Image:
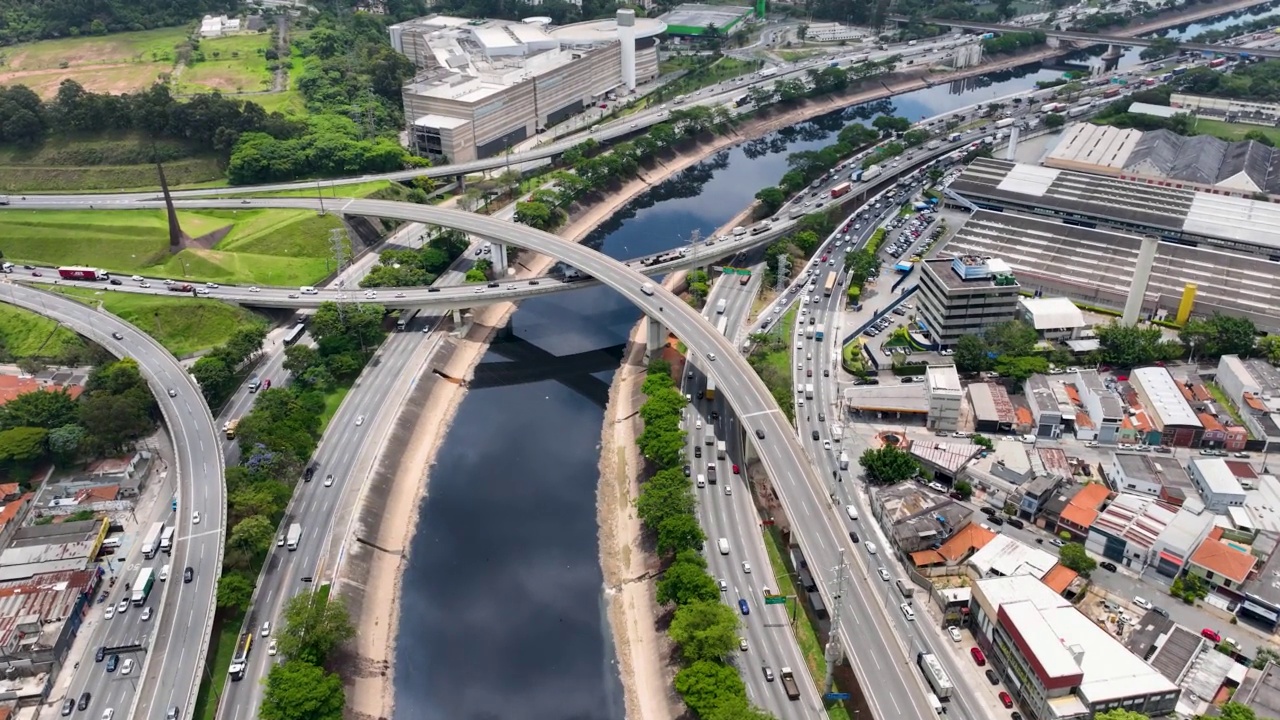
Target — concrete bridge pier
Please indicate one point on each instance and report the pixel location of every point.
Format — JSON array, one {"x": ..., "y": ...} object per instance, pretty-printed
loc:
[
  {"x": 498, "y": 256},
  {"x": 1111, "y": 58},
  {"x": 657, "y": 338}
]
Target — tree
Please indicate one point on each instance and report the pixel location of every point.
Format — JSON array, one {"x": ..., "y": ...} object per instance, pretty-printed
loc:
[
  {"x": 66, "y": 442},
  {"x": 888, "y": 464},
  {"x": 313, "y": 628},
  {"x": 1266, "y": 654},
  {"x": 684, "y": 583},
  {"x": 659, "y": 501},
  {"x": 1054, "y": 120},
  {"x": 705, "y": 630},
  {"x": 252, "y": 536},
  {"x": 359, "y": 324},
  {"x": 1120, "y": 714},
  {"x": 234, "y": 591},
  {"x": 298, "y": 690},
  {"x": 982, "y": 441},
  {"x": 705, "y": 686},
  {"x": 771, "y": 198},
  {"x": 699, "y": 284},
  {"x": 1129, "y": 346},
  {"x": 1020, "y": 367},
  {"x": 1219, "y": 335},
  {"x": 214, "y": 377},
  {"x": 537, "y": 215},
  {"x": 972, "y": 354},
  {"x": 22, "y": 445},
  {"x": 1232, "y": 710},
  {"x": 1073, "y": 556},
  {"x": 1013, "y": 337},
  {"x": 680, "y": 532},
  {"x": 300, "y": 358},
  {"x": 46, "y": 409},
  {"x": 964, "y": 488}
]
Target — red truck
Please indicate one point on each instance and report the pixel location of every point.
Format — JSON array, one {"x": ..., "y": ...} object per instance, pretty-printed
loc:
[
  {"x": 180, "y": 288},
  {"x": 83, "y": 273}
]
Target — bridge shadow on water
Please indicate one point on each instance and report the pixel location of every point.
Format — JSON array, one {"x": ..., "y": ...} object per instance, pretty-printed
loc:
[{"x": 530, "y": 363}]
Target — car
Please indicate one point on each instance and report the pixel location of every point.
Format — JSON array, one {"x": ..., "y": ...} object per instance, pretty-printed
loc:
[
  {"x": 746, "y": 568},
  {"x": 293, "y": 296},
  {"x": 826, "y": 444},
  {"x": 84, "y": 700},
  {"x": 768, "y": 673},
  {"x": 172, "y": 714},
  {"x": 137, "y": 278},
  {"x": 328, "y": 481},
  {"x": 711, "y": 356},
  {"x": 728, "y": 489},
  {"x": 871, "y": 548},
  {"x": 908, "y": 612},
  {"x": 760, "y": 433},
  {"x": 854, "y": 536},
  {"x": 737, "y": 470},
  {"x": 109, "y": 613},
  {"x": 687, "y": 470},
  {"x": 211, "y": 286},
  {"x": 954, "y": 632},
  {"x": 978, "y": 657},
  {"x": 188, "y": 575},
  {"x": 743, "y": 606},
  {"x": 126, "y": 667},
  {"x": 254, "y": 289},
  {"x": 266, "y": 628},
  {"x": 113, "y": 662},
  {"x": 822, "y": 417},
  {"x": 1015, "y": 715},
  {"x": 1005, "y": 699},
  {"x": 884, "y": 574},
  {"x": 1160, "y": 611},
  {"x": 992, "y": 677},
  {"x": 724, "y": 586},
  {"x": 115, "y": 281},
  {"x": 1211, "y": 635},
  {"x": 359, "y": 421},
  {"x": 272, "y": 647},
  {"x": 1142, "y": 602},
  {"x": 1107, "y": 565},
  {"x": 280, "y": 541},
  {"x": 146, "y": 614},
  {"x": 742, "y": 644},
  {"x": 144, "y": 285},
  {"x": 814, "y": 434},
  {"x": 122, "y": 607},
  {"x": 195, "y": 518},
  {"x": 68, "y": 706},
  {"x": 101, "y": 653},
  {"x": 36, "y": 273}
]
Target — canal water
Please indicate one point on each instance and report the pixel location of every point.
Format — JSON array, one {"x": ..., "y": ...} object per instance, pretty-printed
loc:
[{"x": 502, "y": 608}]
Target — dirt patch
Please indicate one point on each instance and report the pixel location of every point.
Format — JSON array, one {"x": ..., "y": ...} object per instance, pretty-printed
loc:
[{"x": 114, "y": 78}]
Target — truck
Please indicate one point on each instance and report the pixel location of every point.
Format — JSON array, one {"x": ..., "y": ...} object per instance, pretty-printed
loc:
[
  {"x": 405, "y": 318},
  {"x": 142, "y": 585},
  {"x": 1005, "y": 122},
  {"x": 763, "y": 227},
  {"x": 710, "y": 438},
  {"x": 768, "y": 72},
  {"x": 837, "y": 433},
  {"x": 744, "y": 277},
  {"x": 1217, "y": 62},
  {"x": 179, "y": 287},
  {"x": 151, "y": 541},
  {"x": 856, "y": 176},
  {"x": 808, "y": 391},
  {"x": 1053, "y": 107},
  {"x": 933, "y": 145},
  {"x": 72, "y": 272},
  {"x": 808, "y": 332},
  {"x": 721, "y": 304},
  {"x": 1079, "y": 110},
  {"x": 1180, "y": 70},
  {"x": 240, "y": 660},
  {"x": 721, "y": 450},
  {"x": 229, "y": 428},
  {"x": 789, "y": 684},
  {"x": 710, "y": 393},
  {"x": 841, "y": 189},
  {"x": 933, "y": 672},
  {"x": 954, "y": 137},
  {"x": 819, "y": 332},
  {"x": 166, "y": 540},
  {"x": 1111, "y": 92},
  {"x": 844, "y": 460},
  {"x": 295, "y": 534},
  {"x": 870, "y": 173},
  {"x": 711, "y": 473}
]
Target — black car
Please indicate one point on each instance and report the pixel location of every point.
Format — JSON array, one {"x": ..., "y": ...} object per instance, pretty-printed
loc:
[
  {"x": 995, "y": 520},
  {"x": 117, "y": 336},
  {"x": 815, "y": 434},
  {"x": 854, "y": 536},
  {"x": 112, "y": 663},
  {"x": 992, "y": 677},
  {"x": 1107, "y": 565},
  {"x": 493, "y": 284},
  {"x": 115, "y": 281},
  {"x": 714, "y": 416},
  {"x": 1016, "y": 715},
  {"x": 188, "y": 575},
  {"x": 760, "y": 433},
  {"x": 687, "y": 470},
  {"x": 1015, "y": 522},
  {"x": 989, "y": 512},
  {"x": 102, "y": 652},
  {"x": 826, "y": 373},
  {"x": 84, "y": 701}
]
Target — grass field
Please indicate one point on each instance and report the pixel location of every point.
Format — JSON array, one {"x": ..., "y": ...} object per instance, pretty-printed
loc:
[
  {"x": 1233, "y": 131},
  {"x": 26, "y": 334},
  {"x": 117, "y": 63},
  {"x": 233, "y": 64},
  {"x": 185, "y": 326},
  {"x": 106, "y": 161},
  {"x": 221, "y": 649}
]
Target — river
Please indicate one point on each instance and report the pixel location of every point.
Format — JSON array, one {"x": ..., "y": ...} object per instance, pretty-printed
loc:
[{"x": 502, "y": 611}]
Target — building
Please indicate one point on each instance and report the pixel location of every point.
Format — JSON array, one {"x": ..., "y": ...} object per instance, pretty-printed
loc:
[
  {"x": 944, "y": 393},
  {"x": 1106, "y": 412},
  {"x": 1224, "y": 566},
  {"x": 1128, "y": 530},
  {"x": 1254, "y": 387},
  {"x": 1055, "y": 661},
  {"x": 1159, "y": 476},
  {"x": 917, "y": 518},
  {"x": 993, "y": 411},
  {"x": 1261, "y": 602},
  {"x": 1054, "y": 318},
  {"x": 1047, "y": 405},
  {"x": 1178, "y": 424},
  {"x": 46, "y": 549},
  {"x": 965, "y": 295},
  {"x": 484, "y": 86},
  {"x": 1082, "y": 510},
  {"x": 1261, "y": 691},
  {"x": 1004, "y": 556},
  {"x": 1180, "y": 538},
  {"x": 943, "y": 460},
  {"x": 1037, "y": 494},
  {"x": 1231, "y": 109},
  {"x": 40, "y": 616},
  {"x": 695, "y": 20},
  {"x": 958, "y": 548},
  {"x": 212, "y": 27},
  {"x": 1217, "y": 484}
]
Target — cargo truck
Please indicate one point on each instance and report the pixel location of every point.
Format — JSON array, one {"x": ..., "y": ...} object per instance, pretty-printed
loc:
[
  {"x": 933, "y": 145},
  {"x": 844, "y": 461},
  {"x": 721, "y": 450},
  {"x": 789, "y": 684},
  {"x": 808, "y": 391},
  {"x": 1005, "y": 122},
  {"x": 151, "y": 541},
  {"x": 808, "y": 332},
  {"x": 871, "y": 173},
  {"x": 857, "y": 175},
  {"x": 142, "y": 585},
  {"x": 711, "y": 436},
  {"x": 1079, "y": 110},
  {"x": 1054, "y": 107},
  {"x": 166, "y": 537},
  {"x": 295, "y": 534},
  {"x": 710, "y": 393},
  {"x": 954, "y": 137},
  {"x": 4, "y": 199},
  {"x": 71, "y": 272},
  {"x": 819, "y": 332},
  {"x": 229, "y": 428}
]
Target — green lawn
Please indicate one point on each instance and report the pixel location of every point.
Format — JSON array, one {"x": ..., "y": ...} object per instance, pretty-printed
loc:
[
  {"x": 332, "y": 400},
  {"x": 184, "y": 326},
  {"x": 233, "y": 64},
  {"x": 27, "y": 334},
  {"x": 1233, "y": 131},
  {"x": 102, "y": 161},
  {"x": 221, "y": 649}
]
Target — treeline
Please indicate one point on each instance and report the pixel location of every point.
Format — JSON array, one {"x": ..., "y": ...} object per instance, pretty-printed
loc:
[
  {"x": 331, "y": 145},
  {"x": 1255, "y": 81},
  {"x": 1008, "y": 43},
  {"x": 218, "y": 372},
  {"x": 704, "y": 629},
  {"x": 1265, "y": 22},
  {"x": 25, "y": 20},
  {"x": 410, "y": 268},
  {"x": 314, "y": 625},
  {"x": 116, "y": 408}
]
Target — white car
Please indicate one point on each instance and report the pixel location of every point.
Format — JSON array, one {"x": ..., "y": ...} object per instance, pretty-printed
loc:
[
  {"x": 1142, "y": 602},
  {"x": 195, "y": 518},
  {"x": 359, "y": 421},
  {"x": 137, "y": 278},
  {"x": 266, "y": 628},
  {"x": 122, "y": 607},
  {"x": 272, "y": 647},
  {"x": 826, "y": 444},
  {"x": 144, "y": 285},
  {"x": 954, "y": 632},
  {"x": 711, "y": 356},
  {"x": 328, "y": 481},
  {"x": 871, "y": 547},
  {"x": 254, "y": 289},
  {"x": 884, "y": 574},
  {"x": 746, "y": 568},
  {"x": 126, "y": 667},
  {"x": 211, "y": 286},
  {"x": 110, "y": 613},
  {"x": 908, "y": 612},
  {"x": 724, "y": 586},
  {"x": 146, "y": 614}
]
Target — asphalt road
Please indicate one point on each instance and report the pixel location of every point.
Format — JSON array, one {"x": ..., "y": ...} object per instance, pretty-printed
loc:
[{"x": 179, "y": 634}]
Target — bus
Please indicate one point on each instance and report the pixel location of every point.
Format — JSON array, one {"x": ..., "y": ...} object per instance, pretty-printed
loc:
[
  {"x": 722, "y": 326},
  {"x": 142, "y": 586},
  {"x": 151, "y": 542},
  {"x": 406, "y": 317},
  {"x": 933, "y": 672},
  {"x": 294, "y": 335},
  {"x": 240, "y": 661},
  {"x": 830, "y": 284}
]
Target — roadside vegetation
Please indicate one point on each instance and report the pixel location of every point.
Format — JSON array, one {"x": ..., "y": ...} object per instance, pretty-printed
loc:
[
  {"x": 184, "y": 326},
  {"x": 314, "y": 626},
  {"x": 411, "y": 268},
  {"x": 31, "y": 339},
  {"x": 771, "y": 359},
  {"x": 704, "y": 629}
]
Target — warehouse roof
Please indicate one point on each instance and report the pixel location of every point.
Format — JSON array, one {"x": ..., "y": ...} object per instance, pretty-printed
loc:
[
  {"x": 1053, "y": 313},
  {"x": 1164, "y": 398},
  {"x": 1089, "y": 144}
]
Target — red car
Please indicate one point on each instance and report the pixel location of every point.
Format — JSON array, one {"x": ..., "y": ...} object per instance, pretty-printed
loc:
[
  {"x": 735, "y": 470},
  {"x": 1005, "y": 699},
  {"x": 978, "y": 657},
  {"x": 1211, "y": 635}
]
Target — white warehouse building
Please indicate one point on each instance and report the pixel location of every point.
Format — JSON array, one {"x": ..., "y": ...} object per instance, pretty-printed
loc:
[
  {"x": 945, "y": 396},
  {"x": 1218, "y": 486}
]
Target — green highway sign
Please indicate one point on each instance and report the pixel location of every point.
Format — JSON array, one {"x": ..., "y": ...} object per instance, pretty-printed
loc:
[{"x": 775, "y": 599}]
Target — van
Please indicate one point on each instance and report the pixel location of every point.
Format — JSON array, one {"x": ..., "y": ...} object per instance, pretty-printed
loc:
[
  {"x": 113, "y": 542},
  {"x": 7, "y": 267},
  {"x": 702, "y": 480},
  {"x": 255, "y": 382},
  {"x": 724, "y": 546},
  {"x": 164, "y": 573},
  {"x": 851, "y": 511},
  {"x": 906, "y": 590},
  {"x": 307, "y": 290}
]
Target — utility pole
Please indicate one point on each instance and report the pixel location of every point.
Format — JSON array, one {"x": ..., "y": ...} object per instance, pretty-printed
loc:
[
  {"x": 833, "y": 651},
  {"x": 695, "y": 237},
  {"x": 783, "y": 262},
  {"x": 339, "y": 247}
]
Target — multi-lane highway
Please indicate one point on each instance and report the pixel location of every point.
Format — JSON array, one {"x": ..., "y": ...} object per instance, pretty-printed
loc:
[{"x": 177, "y": 637}]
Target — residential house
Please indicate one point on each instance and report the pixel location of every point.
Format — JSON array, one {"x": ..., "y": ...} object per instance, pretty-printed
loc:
[
  {"x": 1224, "y": 566},
  {"x": 1078, "y": 516}
]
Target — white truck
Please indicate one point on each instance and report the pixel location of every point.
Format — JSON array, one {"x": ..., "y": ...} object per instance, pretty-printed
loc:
[
  {"x": 1053, "y": 107},
  {"x": 871, "y": 173},
  {"x": 295, "y": 534},
  {"x": 844, "y": 461},
  {"x": 808, "y": 391},
  {"x": 1005, "y": 122},
  {"x": 151, "y": 542}
]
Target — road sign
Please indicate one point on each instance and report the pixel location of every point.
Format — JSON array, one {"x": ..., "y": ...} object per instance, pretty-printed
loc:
[
  {"x": 775, "y": 599},
  {"x": 836, "y": 696}
]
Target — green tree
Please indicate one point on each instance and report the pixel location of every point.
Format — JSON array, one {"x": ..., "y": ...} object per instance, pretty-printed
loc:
[
  {"x": 234, "y": 592},
  {"x": 1266, "y": 654},
  {"x": 706, "y": 686},
  {"x": 1219, "y": 335},
  {"x": 1013, "y": 337},
  {"x": 659, "y": 501},
  {"x": 46, "y": 409},
  {"x": 704, "y": 630},
  {"x": 1232, "y": 710},
  {"x": 313, "y": 628},
  {"x": 888, "y": 465},
  {"x": 1054, "y": 120},
  {"x": 972, "y": 354},
  {"x": 536, "y": 215},
  {"x": 214, "y": 377},
  {"x": 298, "y": 690},
  {"x": 679, "y": 532},
  {"x": 252, "y": 536},
  {"x": 66, "y": 442},
  {"x": 1130, "y": 346},
  {"x": 982, "y": 441},
  {"x": 1020, "y": 367},
  {"x": 964, "y": 488},
  {"x": 22, "y": 445},
  {"x": 358, "y": 324},
  {"x": 1072, "y": 555},
  {"x": 699, "y": 284},
  {"x": 1120, "y": 714},
  {"x": 684, "y": 583},
  {"x": 298, "y": 359},
  {"x": 771, "y": 198}
]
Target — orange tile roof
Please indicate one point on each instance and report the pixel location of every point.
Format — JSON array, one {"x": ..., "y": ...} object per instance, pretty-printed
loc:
[
  {"x": 970, "y": 538},
  {"x": 1224, "y": 560},
  {"x": 1201, "y": 393},
  {"x": 1059, "y": 578},
  {"x": 101, "y": 493},
  {"x": 7, "y": 489},
  {"x": 11, "y": 386},
  {"x": 1142, "y": 421},
  {"x": 12, "y": 509},
  {"x": 1254, "y": 403},
  {"x": 1083, "y": 420},
  {"x": 1072, "y": 393},
  {"x": 1210, "y": 422},
  {"x": 1083, "y": 508},
  {"x": 925, "y": 558},
  {"x": 1024, "y": 415},
  {"x": 1187, "y": 395}
]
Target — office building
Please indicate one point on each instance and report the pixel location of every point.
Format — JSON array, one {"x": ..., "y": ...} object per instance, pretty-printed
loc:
[
  {"x": 965, "y": 295},
  {"x": 1055, "y": 661},
  {"x": 1148, "y": 474},
  {"x": 483, "y": 86},
  {"x": 943, "y": 390}
]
